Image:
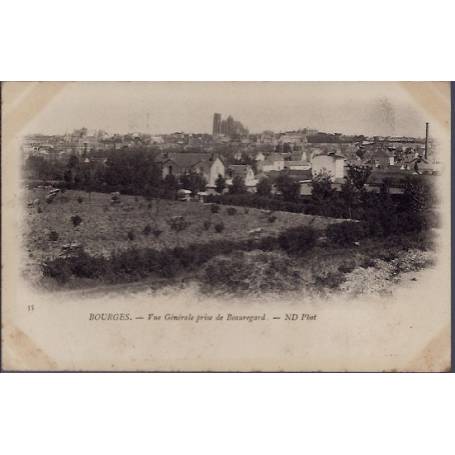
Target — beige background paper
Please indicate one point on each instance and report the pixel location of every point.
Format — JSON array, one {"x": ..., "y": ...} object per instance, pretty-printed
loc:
[{"x": 409, "y": 331}]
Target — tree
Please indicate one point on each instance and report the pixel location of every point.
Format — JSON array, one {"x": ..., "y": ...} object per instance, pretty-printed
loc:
[
  {"x": 170, "y": 185},
  {"x": 358, "y": 175},
  {"x": 417, "y": 194},
  {"x": 287, "y": 148},
  {"x": 73, "y": 162},
  {"x": 193, "y": 181},
  {"x": 87, "y": 180},
  {"x": 238, "y": 185},
  {"x": 349, "y": 195},
  {"x": 288, "y": 187},
  {"x": 323, "y": 195},
  {"x": 220, "y": 184},
  {"x": 264, "y": 187},
  {"x": 178, "y": 224}
]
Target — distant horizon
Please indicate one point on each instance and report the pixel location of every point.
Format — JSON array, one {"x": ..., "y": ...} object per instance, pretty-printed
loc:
[
  {"x": 111, "y": 133},
  {"x": 157, "y": 108}
]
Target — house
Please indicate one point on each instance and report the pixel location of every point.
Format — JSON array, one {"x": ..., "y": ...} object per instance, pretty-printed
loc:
[
  {"x": 177, "y": 163},
  {"x": 244, "y": 171},
  {"x": 300, "y": 155},
  {"x": 237, "y": 155},
  {"x": 330, "y": 163},
  {"x": 273, "y": 162},
  {"x": 394, "y": 176},
  {"x": 383, "y": 158},
  {"x": 302, "y": 176},
  {"x": 259, "y": 156}
]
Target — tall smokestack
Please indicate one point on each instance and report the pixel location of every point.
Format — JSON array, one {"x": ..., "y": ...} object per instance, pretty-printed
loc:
[{"x": 426, "y": 139}]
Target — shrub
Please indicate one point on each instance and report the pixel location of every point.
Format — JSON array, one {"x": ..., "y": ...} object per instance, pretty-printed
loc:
[
  {"x": 53, "y": 236},
  {"x": 80, "y": 200},
  {"x": 214, "y": 208},
  {"x": 231, "y": 211},
  {"x": 39, "y": 209},
  {"x": 206, "y": 225},
  {"x": 368, "y": 262},
  {"x": 264, "y": 187},
  {"x": 178, "y": 223},
  {"x": 76, "y": 220},
  {"x": 331, "y": 280},
  {"x": 347, "y": 266},
  {"x": 147, "y": 230},
  {"x": 298, "y": 240},
  {"x": 345, "y": 233},
  {"x": 219, "y": 227},
  {"x": 272, "y": 218},
  {"x": 157, "y": 232},
  {"x": 82, "y": 265},
  {"x": 246, "y": 210},
  {"x": 250, "y": 272},
  {"x": 131, "y": 235}
]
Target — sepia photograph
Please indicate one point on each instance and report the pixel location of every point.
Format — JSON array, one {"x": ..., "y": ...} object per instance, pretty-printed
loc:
[{"x": 226, "y": 226}]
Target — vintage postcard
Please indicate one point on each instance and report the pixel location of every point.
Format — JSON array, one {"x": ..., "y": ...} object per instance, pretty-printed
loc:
[{"x": 226, "y": 226}]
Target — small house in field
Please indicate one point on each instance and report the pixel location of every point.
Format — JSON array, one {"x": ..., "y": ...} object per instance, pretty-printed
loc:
[
  {"x": 184, "y": 195},
  {"x": 330, "y": 163},
  {"x": 209, "y": 165}
]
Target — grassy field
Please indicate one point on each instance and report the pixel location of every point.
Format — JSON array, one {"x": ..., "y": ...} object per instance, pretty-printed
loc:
[
  {"x": 106, "y": 227},
  {"x": 369, "y": 266}
]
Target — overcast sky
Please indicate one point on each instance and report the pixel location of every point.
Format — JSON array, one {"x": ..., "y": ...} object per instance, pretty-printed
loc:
[{"x": 351, "y": 108}]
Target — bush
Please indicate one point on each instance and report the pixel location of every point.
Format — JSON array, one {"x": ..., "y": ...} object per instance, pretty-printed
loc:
[
  {"x": 231, "y": 211},
  {"x": 147, "y": 230},
  {"x": 298, "y": 240},
  {"x": 367, "y": 263},
  {"x": 272, "y": 218},
  {"x": 206, "y": 225},
  {"x": 131, "y": 235},
  {"x": 53, "y": 236},
  {"x": 39, "y": 209},
  {"x": 214, "y": 208},
  {"x": 250, "y": 272},
  {"x": 219, "y": 227},
  {"x": 331, "y": 280},
  {"x": 76, "y": 220},
  {"x": 347, "y": 266},
  {"x": 345, "y": 233},
  {"x": 80, "y": 200},
  {"x": 157, "y": 232},
  {"x": 82, "y": 266}
]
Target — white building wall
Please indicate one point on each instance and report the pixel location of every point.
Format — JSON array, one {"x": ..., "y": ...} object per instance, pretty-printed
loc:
[{"x": 216, "y": 169}]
